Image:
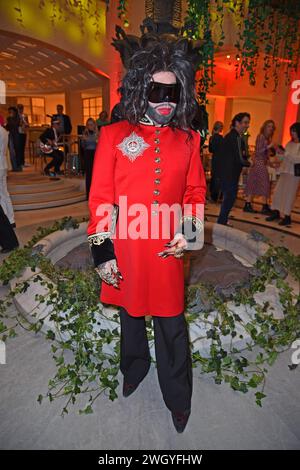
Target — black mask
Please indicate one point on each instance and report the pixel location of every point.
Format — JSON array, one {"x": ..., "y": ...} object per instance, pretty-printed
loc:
[{"x": 162, "y": 92}]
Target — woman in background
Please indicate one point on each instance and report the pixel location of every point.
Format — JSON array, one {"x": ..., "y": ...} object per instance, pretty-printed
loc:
[
  {"x": 258, "y": 182},
  {"x": 89, "y": 144},
  {"x": 5, "y": 199},
  {"x": 287, "y": 186}
]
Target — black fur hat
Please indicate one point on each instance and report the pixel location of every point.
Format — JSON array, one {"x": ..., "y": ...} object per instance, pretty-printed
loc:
[{"x": 154, "y": 52}]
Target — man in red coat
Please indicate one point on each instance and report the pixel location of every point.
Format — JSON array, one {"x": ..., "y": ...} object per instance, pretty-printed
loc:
[{"x": 146, "y": 208}]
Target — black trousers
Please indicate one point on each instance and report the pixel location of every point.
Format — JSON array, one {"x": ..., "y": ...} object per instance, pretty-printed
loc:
[
  {"x": 88, "y": 162},
  {"x": 22, "y": 138},
  {"x": 57, "y": 159},
  {"x": 172, "y": 351},
  {"x": 214, "y": 187},
  {"x": 14, "y": 145},
  {"x": 8, "y": 239},
  {"x": 229, "y": 190}
]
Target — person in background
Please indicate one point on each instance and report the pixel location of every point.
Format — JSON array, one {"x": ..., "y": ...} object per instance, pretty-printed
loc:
[
  {"x": 258, "y": 182},
  {"x": 234, "y": 158},
  {"x": 8, "y": 238},
  {"x": 89, "y": 144},
  {"x": 49, "y": 145},
  {"x": 102, "y": 120},
  {"x": 5, "y": 199},
  {"x": 287, "y": 186},
  {"x": 24, "y": 125},
  {"x": 214, "y": 146},
  {"x": 65, "y": 126},
  {"x": 12, "y": 126},
  {"x": 116, "y": 113}
]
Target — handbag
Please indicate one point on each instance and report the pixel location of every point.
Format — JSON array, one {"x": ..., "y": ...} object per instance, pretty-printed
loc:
[
  {"x": 244, "y": 161},
  {"x": 297, "y": 169}
]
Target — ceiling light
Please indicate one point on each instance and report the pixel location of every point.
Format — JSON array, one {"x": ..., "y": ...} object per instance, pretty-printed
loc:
[
  {"x": 64, "y": 65},
  {"x": 25, "y": 43},
  {"x": 42, "y": 54},
  {"x": 7, "y": 55},
  {"x": 73, "y": 62}
]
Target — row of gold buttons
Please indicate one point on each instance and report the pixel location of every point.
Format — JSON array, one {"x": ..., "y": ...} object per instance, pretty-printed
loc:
[{"x": 157, "y": 170}]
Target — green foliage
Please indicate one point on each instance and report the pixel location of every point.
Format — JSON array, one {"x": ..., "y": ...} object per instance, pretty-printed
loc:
[
  {"x": 245, "y": 368},
  {"x": 81, "y": 332},
  {"x": 263, "y": 30}
]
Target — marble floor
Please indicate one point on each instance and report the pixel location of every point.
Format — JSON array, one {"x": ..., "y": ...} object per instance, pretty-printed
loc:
[{"x": 221, "y": 418}]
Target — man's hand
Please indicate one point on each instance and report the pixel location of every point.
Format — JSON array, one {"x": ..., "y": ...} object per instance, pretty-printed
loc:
[
  {"x": 177, "y": 247},
  {"x": 109, "y": 272}
]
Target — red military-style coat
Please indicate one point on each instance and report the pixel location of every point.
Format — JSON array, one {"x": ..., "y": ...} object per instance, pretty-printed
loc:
[{"x": 146, "y": 166}]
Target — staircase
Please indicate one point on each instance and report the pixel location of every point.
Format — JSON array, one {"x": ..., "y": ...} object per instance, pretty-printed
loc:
[{"x": 30, "y": 190}]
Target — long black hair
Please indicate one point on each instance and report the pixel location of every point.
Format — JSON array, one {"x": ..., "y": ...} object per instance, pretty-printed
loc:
[
  {"x": 160, "y": 55},
  {"x": 296, "y": 128}
]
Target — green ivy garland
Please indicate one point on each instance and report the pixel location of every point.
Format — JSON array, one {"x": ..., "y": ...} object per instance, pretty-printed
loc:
[
  {"x": 263, "y": 29},
  {"x": 198, "y": 26},
  {"x": 85, "y": 368},
  {"x": 122, "y": 12},
  {"x": 277, "y": 29}
]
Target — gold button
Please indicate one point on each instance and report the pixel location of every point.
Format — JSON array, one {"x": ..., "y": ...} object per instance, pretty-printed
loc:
[
  {"x": 156, "y": 192},
  {"x": 157, "y": 160},
  {"x": 157, "y": 131},
  {"x": 157, "y": 150},
  {"x": 155, "y": 203},
  {"x": 157, "y": 170},
  {"x": 157, "y": 141},
  {"x": 157, "y": 181}
]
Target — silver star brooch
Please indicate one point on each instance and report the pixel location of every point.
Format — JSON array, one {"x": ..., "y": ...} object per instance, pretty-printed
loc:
[{"x": 133, "y": 146}]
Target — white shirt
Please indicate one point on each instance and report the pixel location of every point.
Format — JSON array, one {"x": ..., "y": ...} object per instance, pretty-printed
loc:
[
  {"x": 291, "y": 156},
  {"x": 3, "y": 148}
]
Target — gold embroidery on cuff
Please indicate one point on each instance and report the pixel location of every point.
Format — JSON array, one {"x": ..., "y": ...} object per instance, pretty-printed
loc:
[
  {"x": 197, "y": 222},
  {"x": 98, "y": 238}
]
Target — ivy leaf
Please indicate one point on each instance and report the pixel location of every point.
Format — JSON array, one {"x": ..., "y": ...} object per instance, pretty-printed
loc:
[
  {"x": 50, "y": 335},
  {"x": 272, "y": 358},
  {"x": 87, "y": 411},
  {"x": 259, "y": 396}
]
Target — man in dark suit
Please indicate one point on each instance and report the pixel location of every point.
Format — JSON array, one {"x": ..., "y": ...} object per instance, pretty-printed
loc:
[
  {"x": 49, "y": 145},
  {"x": 65, "y": 127},
  {"x": 8, "y": 239},
  {"x": 232, "y": 158}
]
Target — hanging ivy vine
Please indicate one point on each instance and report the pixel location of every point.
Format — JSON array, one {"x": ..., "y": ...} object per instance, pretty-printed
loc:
[
  {"x": 271, "y": 28},
  {"x": 198, "y": 26},
  {"x": 265, "y": 28},
  {"x": 73, "y": 9},
  {"x": 85, "y": 367}
]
